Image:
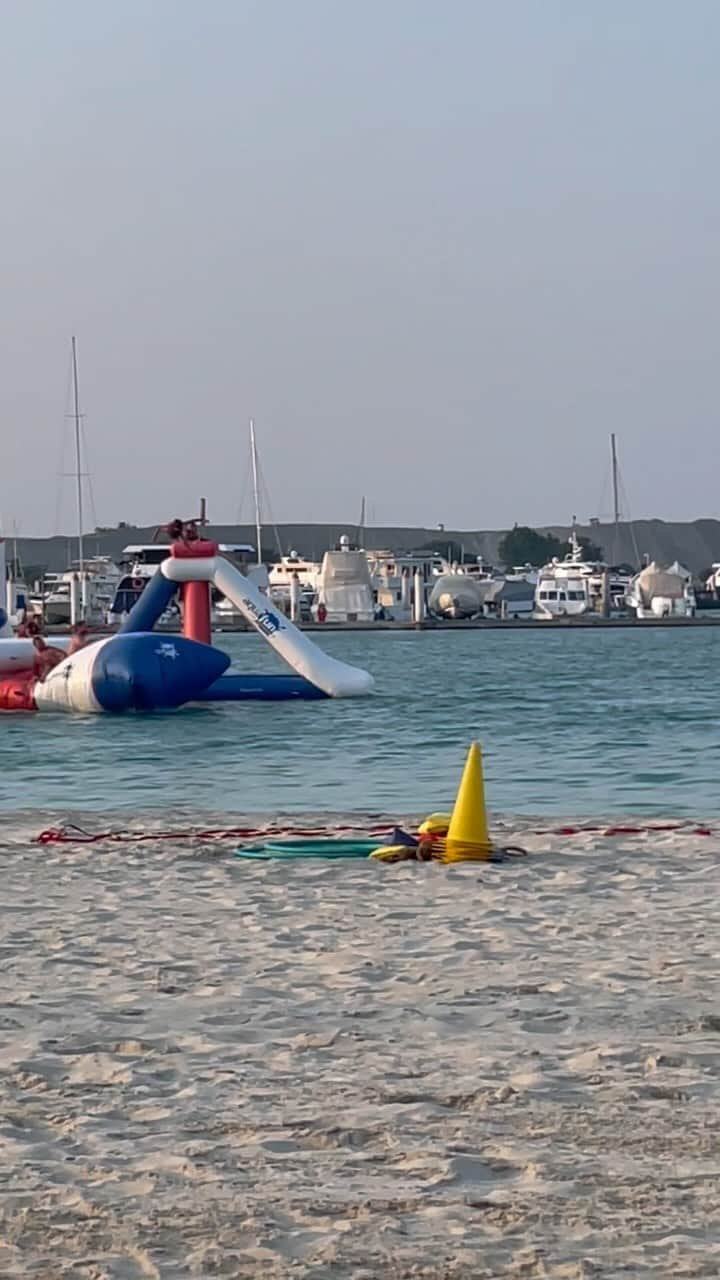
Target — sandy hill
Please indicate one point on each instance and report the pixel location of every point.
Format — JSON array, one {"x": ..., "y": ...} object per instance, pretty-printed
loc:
[{"x": 695, "y": 544}]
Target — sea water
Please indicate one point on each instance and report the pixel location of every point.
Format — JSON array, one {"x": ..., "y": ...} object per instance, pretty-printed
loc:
[{"x": 580, "y": 723}]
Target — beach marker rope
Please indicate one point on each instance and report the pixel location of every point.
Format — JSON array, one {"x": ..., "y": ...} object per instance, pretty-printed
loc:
[
  {"x": 648, "y": 829},
  {"x": 71, "y": 833}
]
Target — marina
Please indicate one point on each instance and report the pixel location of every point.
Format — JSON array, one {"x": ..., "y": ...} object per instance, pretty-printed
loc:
[{"x": 354, "y": 585}]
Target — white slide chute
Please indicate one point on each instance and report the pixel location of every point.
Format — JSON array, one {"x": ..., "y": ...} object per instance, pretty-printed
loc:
[{"x": 336, "y": 679}]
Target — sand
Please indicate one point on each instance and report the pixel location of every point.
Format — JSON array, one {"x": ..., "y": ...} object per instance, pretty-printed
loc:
[{"x": 214, "y": 1068}]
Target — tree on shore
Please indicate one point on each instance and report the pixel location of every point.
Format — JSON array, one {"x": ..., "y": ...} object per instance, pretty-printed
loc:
[{"x": 523, "y": 545}]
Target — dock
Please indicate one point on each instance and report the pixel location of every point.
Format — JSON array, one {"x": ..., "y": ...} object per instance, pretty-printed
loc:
[{"x": 582, "y": 623}]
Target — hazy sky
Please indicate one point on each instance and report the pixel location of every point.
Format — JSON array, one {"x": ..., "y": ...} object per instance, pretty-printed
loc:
[{"x": 438, "y": 248}]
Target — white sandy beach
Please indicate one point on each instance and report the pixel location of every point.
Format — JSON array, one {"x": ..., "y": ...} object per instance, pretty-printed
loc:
[{"x": 215, "y": 1068}]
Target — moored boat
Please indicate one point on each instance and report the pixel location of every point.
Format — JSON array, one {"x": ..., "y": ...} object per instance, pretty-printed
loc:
[{"x": 658, "y": 592}]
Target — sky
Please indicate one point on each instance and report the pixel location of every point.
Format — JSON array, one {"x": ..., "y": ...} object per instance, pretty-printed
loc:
[{"x": 438, "y": 249}]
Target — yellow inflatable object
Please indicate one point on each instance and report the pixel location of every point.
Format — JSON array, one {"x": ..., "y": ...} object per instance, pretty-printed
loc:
[
  {"x": 395, "y": 853},
  {"x": 436, "y": 825},
  {"x": 468, "y": 838},
  {"x": 423, "y": 852}
]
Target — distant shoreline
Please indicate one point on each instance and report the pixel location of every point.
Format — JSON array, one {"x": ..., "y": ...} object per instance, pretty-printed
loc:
[
  {"x": 582, "y": 623},
  {"x": 695, "y": 544}
]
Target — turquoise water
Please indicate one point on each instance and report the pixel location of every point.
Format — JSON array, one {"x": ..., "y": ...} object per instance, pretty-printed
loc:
[{"x": 586, "y": 723}]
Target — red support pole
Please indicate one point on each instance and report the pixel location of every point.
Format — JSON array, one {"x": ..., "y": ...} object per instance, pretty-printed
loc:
[
  {"x": 195, "y": 595},
  {"x": 196, "y": 612}
]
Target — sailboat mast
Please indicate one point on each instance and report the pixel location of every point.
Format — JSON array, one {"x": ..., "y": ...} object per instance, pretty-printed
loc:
[
  {"x": 78, "y": 459},
  {"x": 361, "y": 526},
  {"x": 616, "y": 498},
  {"x": 256, "y": 490}
]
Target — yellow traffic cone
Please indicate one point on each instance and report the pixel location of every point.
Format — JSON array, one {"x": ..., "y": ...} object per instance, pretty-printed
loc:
[{"x": 468, "y": 839}]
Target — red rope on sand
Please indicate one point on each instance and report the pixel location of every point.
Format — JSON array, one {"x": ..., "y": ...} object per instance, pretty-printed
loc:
[
  {"x": 72, "y": 834},
  {"x": 627, "y": 831}
]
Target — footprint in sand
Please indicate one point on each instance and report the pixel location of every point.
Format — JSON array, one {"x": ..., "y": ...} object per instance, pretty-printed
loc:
[{"x": 98, "y": 1068}]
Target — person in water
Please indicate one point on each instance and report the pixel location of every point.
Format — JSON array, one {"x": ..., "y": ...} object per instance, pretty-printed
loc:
[
  {"x": 79, "y": 637},
  {"x": 28, "y": 628},
  {"x": 46, "y": 657},
  {"x": 183, "y": 531}
]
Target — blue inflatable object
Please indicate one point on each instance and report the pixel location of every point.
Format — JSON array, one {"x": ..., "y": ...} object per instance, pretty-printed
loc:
[
  {"x": 140, "y": 672},
  {"x": 261, "y": 688},
  {"x": 150, "y": 606},
  {"x": 155, "y": 598}
]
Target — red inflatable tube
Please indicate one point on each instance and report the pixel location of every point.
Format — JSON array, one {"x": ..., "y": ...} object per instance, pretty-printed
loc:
[
  {"x": 195, "y": 595},
  {"x": 17, "y": 693},
  {"x": 201, "y": 548}
]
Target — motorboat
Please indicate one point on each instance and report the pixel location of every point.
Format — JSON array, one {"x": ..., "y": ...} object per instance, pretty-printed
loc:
[
  {"x": 392, "y": 592},
  {"x": 87, "y": 592},
  {"x": 712, "y": 588},
  {"x": 461, "y": 590},
  {"x": 393, "y": 576},
  {"x": 141, "y": 561},
  {"x": 476, "y": 569},
  {"x": 563, "y": 586},
  {"x": 658, "y": 592},
  {"x": 456, "y": 595},
  {"x": 575, "y": 586},
  {"x": 292, "y": 566},
  {"x": 509, "y": 597},
  {"x": 344, "y": 588}
]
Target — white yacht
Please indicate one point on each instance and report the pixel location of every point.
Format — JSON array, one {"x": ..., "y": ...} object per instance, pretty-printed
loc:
[
  {"x": 141, "y": 560},
  {"x": 393, "y": 578},
  {"x": 563, "y": 586},
  {"x": 712, "y": 583},
  {"x": 456, "y": 595},
  {"x": 388, "y": 564},
  {"x": 344, "y": 589},
  {"x": 476, "y": 569},
  {"x": 574, "y": 586},
  {"x": 523, "y": 573},
  {"x": 282, "y": 572},
  {"x": 658, "y": 592},
  {"x": 61, "y": 598},
  {"x": 461, "y": 590}
]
